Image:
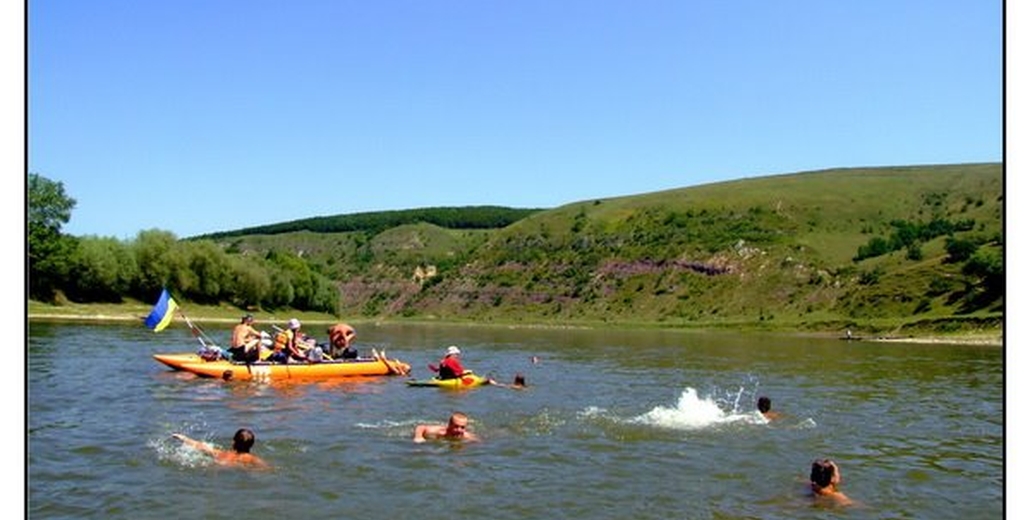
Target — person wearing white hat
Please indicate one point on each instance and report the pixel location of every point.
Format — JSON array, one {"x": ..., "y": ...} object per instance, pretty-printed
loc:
[
  {"x": 285, "y": 347},
  {"x": 450, "y": 365},
  {"x": 296, "y": 344}
]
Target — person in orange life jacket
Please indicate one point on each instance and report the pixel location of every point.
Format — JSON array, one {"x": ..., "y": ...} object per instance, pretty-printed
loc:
[
  {"x": 450, "y": 365},
  {"x": 285, "y": 347},
  {"x": 245, "y": 340},
  {"x": 341, "y": 336}
]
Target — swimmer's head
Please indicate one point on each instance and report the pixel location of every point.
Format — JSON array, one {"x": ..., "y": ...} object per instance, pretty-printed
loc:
[
  {"x": 823, "y": 472},
  {"x": 764, "y": 404},
  {"x": 243, "y": 441}
]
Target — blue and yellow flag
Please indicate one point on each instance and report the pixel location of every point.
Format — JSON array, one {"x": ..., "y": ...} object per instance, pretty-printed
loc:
[{"x": 163, "y": 311}]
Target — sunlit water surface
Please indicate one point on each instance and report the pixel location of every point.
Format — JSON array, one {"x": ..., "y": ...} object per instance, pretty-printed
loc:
[{"x": 615, "y": 424}]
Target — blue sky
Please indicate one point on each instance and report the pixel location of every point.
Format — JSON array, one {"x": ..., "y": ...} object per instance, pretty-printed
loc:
[{"x": 196, "y": 116}]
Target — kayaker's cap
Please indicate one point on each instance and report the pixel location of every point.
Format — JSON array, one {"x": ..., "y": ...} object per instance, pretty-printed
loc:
[
  {"x": 453, "y": 351},
  {"x": 293, "y": 324}
]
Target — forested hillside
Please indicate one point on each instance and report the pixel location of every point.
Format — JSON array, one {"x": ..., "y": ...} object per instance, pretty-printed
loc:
[
  {"x": 814, "y": 250},
  {"x": 879, "y": 247}
]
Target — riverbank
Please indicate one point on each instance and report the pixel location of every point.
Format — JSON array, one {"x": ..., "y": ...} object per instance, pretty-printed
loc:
[
  {"x": 134, "y": 311},
  {"x": 225, "y": 314},
  {"x": 988, "y": 340}
]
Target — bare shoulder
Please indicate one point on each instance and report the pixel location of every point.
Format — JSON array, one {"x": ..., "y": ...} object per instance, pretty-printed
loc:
[
  {"x": 245, "y": 460},
  {"x": 424, "y": 432}
]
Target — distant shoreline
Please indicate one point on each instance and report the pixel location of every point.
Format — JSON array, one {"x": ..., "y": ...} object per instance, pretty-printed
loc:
[
  {"x": 982, "y": 339},
  {"x": 991, "y": 341}
]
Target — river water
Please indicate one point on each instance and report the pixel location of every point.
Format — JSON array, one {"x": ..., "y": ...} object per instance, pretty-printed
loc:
[{"x": 614, "y": 424}]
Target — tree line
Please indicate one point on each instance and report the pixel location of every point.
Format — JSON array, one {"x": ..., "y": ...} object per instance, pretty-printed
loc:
[
  {"x": 105, "y": 269},
  {"x": 908, "y": 235},
  {"x": 980, "y": 255},
  {"x": 373, "y": 223}
]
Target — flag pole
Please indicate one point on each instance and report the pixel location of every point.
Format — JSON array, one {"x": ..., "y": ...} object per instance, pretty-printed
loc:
[{"x": 197, "y": 332}]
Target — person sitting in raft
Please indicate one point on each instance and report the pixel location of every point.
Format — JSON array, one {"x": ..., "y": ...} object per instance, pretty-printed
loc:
[
  {"x": 450, "y": 365},
  {"x": 278, "y": 354},
  {"x": 312, "y": 349},
  {"x": 455, "y": 429},
  {"x": 341, "y": 336},
  {"x": 240, "y": 455},
  {"x": 824, "y": 481},
  {"x": 246, "y": 341},
  {"x": 286, "y": 348},
  {"x": 765, "y": 408}
]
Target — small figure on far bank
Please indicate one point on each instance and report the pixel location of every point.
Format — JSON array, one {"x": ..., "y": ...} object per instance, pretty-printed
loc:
[
  {"x": 455, "y": 429},
  {"x": 240, "y": 455},
  {"x": 824, "y": 480},
  {"x": 765, "y": 407}
]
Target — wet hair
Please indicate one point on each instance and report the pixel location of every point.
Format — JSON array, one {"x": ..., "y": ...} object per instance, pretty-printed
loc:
[
  {"x": 764, "y": 404},
  {"x": 227, "y": 375},
  {"x": 520, "y": 380},
  {"x": 243, "y": 440},
  {"x": 822, "y": 473}
]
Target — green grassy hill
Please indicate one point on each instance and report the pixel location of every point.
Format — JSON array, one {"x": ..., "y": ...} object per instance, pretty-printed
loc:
[{"x": 772, "y": 252}]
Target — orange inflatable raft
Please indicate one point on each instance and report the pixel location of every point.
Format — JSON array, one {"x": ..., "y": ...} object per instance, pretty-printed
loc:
[{"x": 377, "y": 365}]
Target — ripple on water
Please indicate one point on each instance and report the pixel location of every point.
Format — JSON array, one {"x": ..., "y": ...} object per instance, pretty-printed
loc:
[{"x": 615, "y": 425}]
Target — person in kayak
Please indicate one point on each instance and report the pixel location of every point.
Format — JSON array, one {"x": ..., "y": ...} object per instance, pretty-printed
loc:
[
  {"x": 341, "y": 336},
  {"x": 824, "y": 481},
  {"x": 246, "y": 340},
  {"x": 450, "y": 365},
  {"x": 240, "y": 454},
  {"x": 455, "y": 429}
]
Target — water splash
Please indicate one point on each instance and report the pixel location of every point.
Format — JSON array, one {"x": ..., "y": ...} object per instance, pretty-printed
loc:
[
  {"x": 592, "y": 411},
  {"x": 386, "y": 424},
  {"x": 693, "y": 412},
  {"x": 172, "y": 451}
]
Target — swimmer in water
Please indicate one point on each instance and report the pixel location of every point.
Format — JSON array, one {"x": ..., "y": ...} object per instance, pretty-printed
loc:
[
  {"x": 518, "y": 384},
  {"x": 824, "y": 481},
  {"x": 240, "y": 454},
  {"x": 765, "y": 407},
  {"x": 455, "y": 429}
]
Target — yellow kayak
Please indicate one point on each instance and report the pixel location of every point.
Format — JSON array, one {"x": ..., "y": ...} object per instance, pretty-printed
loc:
[{"x": 468, "y": 380}]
